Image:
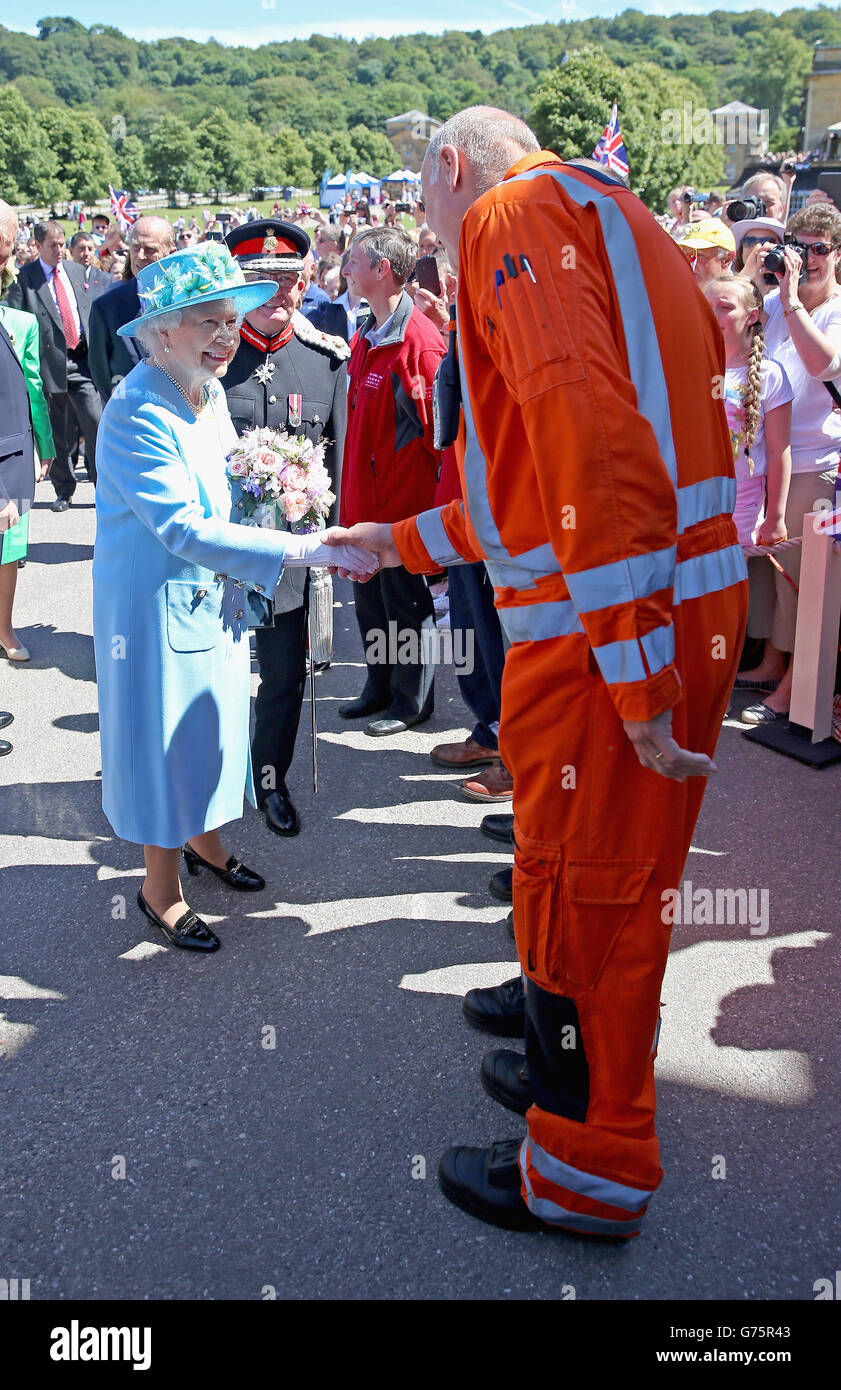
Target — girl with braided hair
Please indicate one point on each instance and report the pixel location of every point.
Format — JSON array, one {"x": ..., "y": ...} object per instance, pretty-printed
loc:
[{"x": 757, "y": 399}]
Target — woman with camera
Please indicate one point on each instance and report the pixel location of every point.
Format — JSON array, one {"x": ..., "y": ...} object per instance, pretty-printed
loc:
[{"x": 803, "y": 333}]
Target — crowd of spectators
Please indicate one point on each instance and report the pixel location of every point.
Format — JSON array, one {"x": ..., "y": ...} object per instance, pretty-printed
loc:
[{"x": 772, "y": 278}]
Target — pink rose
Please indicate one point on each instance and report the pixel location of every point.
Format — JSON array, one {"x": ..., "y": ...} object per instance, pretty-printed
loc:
[
  {"x": 296, "y": 505},
  {"x": 294, "y": 477}
]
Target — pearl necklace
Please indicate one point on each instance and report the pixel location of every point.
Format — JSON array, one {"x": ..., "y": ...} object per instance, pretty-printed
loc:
[{"x": 196, "y": 409}]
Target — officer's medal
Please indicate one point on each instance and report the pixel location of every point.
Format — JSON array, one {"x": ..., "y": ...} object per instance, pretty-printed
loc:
[
  {"x": 294, "y": 410},
  {"x": 265, "y": 373}
]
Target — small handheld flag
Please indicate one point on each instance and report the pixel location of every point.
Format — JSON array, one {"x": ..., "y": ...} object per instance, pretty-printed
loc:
[
  {"x": 610, "y": 149},
  {"x": 123, "y": 208}
]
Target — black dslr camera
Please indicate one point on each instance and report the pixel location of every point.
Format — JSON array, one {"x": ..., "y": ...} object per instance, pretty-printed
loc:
[
  {"x": 743, "y": 208},
  {"x": 775, "y": 261}
]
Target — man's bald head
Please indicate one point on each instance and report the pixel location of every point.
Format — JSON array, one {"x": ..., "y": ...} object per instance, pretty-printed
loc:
[
  {"x": 149, "y": 239},
  {"x": 489, "y": 140},
  {"x": 471, "y": 153}
]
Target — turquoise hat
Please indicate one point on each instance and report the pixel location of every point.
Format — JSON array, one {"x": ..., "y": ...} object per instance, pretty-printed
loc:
[{"x": 195, "y": 275}]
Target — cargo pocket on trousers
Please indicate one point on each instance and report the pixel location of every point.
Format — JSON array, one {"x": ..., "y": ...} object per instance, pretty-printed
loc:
[
  {"x": 599, "y": 899},
  {"x": 537, "y": 916}
]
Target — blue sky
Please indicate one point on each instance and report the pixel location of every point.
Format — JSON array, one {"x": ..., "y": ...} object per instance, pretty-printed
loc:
[{"x": 254, "y": 22}]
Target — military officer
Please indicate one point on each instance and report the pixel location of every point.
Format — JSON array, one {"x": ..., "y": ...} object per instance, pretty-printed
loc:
[{"x": 286, "y": 375}]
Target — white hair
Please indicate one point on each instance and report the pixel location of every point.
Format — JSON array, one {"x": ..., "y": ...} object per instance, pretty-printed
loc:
[
  {"x": 491, "y": 141},
  {"x": 9, "y": 221},
  {"x": 149, "y": 334}
]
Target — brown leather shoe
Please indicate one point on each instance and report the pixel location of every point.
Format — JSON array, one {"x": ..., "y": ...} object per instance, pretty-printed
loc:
[
  {"x": 495, "y": 784},
  {"x": 466, "y": 754}
]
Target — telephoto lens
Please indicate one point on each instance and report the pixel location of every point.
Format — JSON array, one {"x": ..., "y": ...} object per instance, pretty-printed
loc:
[{"x": 743, "y": 208}]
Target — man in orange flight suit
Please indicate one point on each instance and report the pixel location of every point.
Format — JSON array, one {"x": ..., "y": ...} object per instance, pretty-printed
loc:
[{"x": 598, "y": 477}]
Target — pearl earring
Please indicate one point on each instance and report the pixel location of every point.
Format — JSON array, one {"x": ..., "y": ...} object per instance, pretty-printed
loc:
[{"x": 166, "y": 349}]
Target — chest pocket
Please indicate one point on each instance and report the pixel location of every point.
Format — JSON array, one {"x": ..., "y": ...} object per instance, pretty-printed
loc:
[
  {"x": 537, "y": 344},
  {"x": 242, "y": 408},
  {"x": 313, "y": 419},
  {"x": 193, "y": 615}
]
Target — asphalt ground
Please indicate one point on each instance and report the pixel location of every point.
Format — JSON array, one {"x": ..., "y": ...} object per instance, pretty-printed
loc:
[{"x": 278, "y": 1109}]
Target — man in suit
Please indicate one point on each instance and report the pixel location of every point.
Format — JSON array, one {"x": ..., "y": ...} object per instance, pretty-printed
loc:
[
  {"x": 111, "y": 357},
  {"x": 53, "y": 290},
  {"x": 83, "y": 252},
  {"x": 286, "y": 375}
]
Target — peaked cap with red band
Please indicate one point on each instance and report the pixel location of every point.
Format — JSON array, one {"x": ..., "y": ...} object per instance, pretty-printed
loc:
[{"x": 269, "y": 244}]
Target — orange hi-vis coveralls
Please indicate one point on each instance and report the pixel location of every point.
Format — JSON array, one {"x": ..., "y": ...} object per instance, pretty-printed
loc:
[{"x": 597, "y": 473}]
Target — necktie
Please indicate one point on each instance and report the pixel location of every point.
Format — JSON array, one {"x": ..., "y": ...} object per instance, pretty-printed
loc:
[{"x": 71, "y": 334}]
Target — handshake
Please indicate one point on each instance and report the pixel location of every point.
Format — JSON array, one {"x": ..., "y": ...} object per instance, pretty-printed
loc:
[{"x": 361, "y": 550}]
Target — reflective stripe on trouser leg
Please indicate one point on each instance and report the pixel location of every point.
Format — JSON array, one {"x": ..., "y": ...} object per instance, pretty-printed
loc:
[{"x": 580, "y": 1201}]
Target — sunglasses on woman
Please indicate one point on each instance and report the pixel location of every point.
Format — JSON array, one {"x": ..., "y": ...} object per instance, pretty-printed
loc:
[{"x": 820, "y": 248}]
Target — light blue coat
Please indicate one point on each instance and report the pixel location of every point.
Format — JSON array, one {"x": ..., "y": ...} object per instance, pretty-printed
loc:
[{"x": 171, "y": 570}]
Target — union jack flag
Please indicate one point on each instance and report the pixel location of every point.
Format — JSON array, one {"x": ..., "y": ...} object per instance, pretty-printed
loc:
[
  {"x": 123, "y": 208},
  {"x": 610, "y": 149}
]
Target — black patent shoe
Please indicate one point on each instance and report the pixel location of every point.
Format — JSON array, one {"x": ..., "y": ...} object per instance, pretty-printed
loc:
[
  {"x": 505, "y": 1077},
  {"x": 235, "y": 874},
  {"x": 498, "y": 828},
  {"x": 280, "y": 815},
  {"x": 189, "y": 932},
  {"x": 486, "y": 1183},
  {"x": 500, "y": 1009},
  {"x": 501, "y": 885}
]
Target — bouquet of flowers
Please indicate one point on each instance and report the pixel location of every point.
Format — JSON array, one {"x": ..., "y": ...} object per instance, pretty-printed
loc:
[
  {"x": 284, "y": 483},
  {"x": 283, "y": 480}
]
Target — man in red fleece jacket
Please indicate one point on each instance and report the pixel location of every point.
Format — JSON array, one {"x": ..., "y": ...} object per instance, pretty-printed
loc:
[{"x": 389, "y": 473}]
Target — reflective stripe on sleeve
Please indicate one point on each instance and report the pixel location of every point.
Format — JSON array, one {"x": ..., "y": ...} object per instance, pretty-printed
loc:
[
  {"x": 540, "y": 621},
  {"x": 433, "y": 533},
  {"x": 622, "y": 581}
]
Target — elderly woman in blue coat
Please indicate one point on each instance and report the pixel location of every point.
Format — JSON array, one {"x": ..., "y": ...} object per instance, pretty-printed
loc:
[{"x": 172, "y": 572}]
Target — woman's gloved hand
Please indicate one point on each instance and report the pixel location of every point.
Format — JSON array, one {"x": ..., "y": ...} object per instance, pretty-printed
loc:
[{"x": 311, "y": 550}]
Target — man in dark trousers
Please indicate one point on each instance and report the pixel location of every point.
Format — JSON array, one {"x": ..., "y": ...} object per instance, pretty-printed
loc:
[
  {"x": 54, "y": 291},
  {"x": 391, "y": 468},
  {"x": 286, "y": 375},
  {"x": 111, "y": 357},
  {"x": 17, "y": 459}
]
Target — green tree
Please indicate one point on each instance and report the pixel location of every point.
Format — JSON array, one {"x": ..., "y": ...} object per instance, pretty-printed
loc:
[
  {"x": 373, "y": 151},
  {"x": 284, "y": 158},
  {"x": 131, "y": 163},
  {"x": 28, "y": 166},
  {"x": 228, "y": 149},
  {"x": 573, "y": 104},
  {"x": 83, "y": 151},
  {"x": 174, "y": 158}
]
